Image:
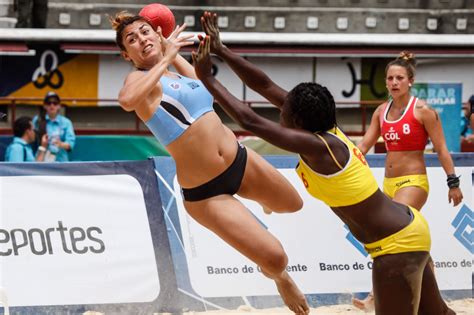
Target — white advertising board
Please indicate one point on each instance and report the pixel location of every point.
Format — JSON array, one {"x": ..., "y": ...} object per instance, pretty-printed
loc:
[
  {"x": 323, "y": 257},
  {"x": 68, "y": 240}
]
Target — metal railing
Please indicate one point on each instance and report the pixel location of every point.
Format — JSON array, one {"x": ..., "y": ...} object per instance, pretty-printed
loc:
[{"x": 13, "y": 102}]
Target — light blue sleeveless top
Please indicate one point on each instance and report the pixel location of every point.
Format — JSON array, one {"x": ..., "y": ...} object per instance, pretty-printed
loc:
[{"x": 184, "y": 101}]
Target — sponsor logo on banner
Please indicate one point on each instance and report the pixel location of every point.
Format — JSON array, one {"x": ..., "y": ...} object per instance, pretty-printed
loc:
[
  {"x": 44, "y": 76},
  {"x": 445, "y": 98},
  {"x": 40, "y": 241},
  {"x": 464, "y": 224}
]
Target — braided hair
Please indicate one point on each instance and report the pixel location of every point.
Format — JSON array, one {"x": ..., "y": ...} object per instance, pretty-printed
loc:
[{"x": 312, "y": 107}]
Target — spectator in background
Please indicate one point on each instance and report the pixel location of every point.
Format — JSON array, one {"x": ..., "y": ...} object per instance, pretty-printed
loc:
[
  {"x": 24, "y": 135},
  {"x": 58, "y": 128},
  {"x": 31, "y": 13}
]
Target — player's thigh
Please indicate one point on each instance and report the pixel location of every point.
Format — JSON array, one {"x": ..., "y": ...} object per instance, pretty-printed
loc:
[
  {"x": 413, "y": 196},
  {"x": 235, "y": 224},
  {"x": 265, "y": 184},
  {"x": 431, "y": 300},
  {"x": 397, "y": 282}
]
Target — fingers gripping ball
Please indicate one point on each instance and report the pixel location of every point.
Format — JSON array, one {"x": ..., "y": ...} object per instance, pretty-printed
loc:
[{"x": 159, "y": 15}]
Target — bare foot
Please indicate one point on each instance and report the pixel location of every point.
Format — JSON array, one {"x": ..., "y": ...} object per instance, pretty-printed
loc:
[
  {"x": 366, "y": 305},
  {"x": 292, "y": 296}
]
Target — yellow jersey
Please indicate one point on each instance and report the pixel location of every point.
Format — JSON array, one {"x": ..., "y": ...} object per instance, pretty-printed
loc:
[{"x": 352, "y": 184}]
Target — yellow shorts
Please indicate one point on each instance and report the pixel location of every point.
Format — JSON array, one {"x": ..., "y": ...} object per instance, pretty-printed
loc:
[
  {"x": 415, "y": 237},
  {"x": 392, "y": 185}
]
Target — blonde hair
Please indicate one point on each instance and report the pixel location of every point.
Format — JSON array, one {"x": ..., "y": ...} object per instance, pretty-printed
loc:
[
  {"x": 121, "y": 20},
  {"x": 406, "y": 60}
]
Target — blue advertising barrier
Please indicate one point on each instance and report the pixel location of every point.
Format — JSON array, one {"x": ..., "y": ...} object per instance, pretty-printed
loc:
[{"x": 446, "y": 99}]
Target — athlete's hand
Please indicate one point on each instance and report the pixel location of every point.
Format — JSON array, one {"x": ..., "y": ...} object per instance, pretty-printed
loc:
[
  {"x": 202, "y": 60},
  {"x": 209, "y": 25},
  {"x": 170, "y": 46},
  {"x": 455, "y": 194}
]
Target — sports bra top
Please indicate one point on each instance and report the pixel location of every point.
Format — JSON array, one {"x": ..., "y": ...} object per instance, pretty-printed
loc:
[
  {"x": 405, "y": 133},
  {"x": 352, "y": 184},
  {"x": 184, "y": 101}
]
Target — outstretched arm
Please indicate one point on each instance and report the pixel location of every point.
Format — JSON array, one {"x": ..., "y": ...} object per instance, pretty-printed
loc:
[
  {"x": 294, "y": 140},
  {"x": 251, "y": 75}
]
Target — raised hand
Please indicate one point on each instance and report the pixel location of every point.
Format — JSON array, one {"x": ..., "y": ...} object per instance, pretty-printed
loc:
[
  {"x": 174, "y": 42},
  {"x": 209, "y": 25},
  {"x": 202, "y": 60}
]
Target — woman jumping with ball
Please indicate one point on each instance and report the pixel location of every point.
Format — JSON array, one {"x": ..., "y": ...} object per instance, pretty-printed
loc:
[{"x": 211, "y": 166}]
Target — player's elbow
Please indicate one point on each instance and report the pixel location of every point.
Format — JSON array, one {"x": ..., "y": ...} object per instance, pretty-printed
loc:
[
  {"x": 363, "y": 148},
  {"x": 126, "y": 102}
]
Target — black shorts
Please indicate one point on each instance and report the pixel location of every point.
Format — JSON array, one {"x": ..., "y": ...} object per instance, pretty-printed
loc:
[{"x": 227, "y": 183}]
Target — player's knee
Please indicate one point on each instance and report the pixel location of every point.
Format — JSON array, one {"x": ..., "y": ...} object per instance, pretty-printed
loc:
[
  {"x": 297, "y": 204},
  {"x": 275, "y": 263},
  {"x": 292, "y": 204}
]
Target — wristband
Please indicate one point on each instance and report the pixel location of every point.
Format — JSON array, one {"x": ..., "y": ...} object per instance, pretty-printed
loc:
[
  {"x": 42, "y": 149},
  {"x": 453, "y": 181}
]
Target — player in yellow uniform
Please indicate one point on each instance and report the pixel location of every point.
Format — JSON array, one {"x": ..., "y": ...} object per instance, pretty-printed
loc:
[
  {"x": 335, "y": 171},
  {"x": 353, "y": 183}
]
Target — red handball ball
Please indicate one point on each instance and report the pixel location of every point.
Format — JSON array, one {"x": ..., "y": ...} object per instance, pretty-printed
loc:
[{"x": 159, "y": 15}]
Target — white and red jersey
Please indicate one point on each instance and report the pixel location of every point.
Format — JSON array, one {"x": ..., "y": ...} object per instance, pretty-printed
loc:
[{"x": 405, "y": 133}]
